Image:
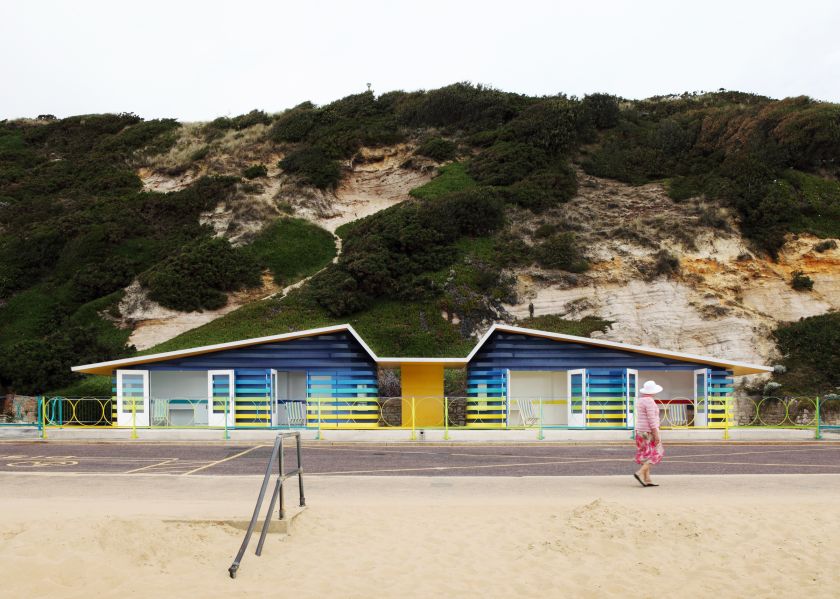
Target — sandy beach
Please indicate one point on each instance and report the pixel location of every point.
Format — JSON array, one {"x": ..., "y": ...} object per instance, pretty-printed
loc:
[{"x": 697, "y": 536}]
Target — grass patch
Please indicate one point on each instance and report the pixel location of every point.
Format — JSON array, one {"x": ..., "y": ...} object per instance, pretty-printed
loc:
[
  {"x": 391, "y": 328},
  {"x": 580, "y": 328},
  {"x": 452, "y": 177},
  {"x": 293, "y": 249}
]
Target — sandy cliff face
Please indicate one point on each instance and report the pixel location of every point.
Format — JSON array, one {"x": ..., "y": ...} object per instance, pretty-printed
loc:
[{"x": 724, "y": 301}]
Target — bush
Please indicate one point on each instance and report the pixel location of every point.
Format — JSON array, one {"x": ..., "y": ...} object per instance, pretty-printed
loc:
[
  {"x": 555, "y": 126},
  {"x": 561, "y": 251},
  {"x": 438, "y": 149},
  {"x": 544, "y": 189},
  {"x": 294, "y": 125},
  {"x": 254, "y": 171},
  {"x": 292, "y": 248},
  {"x": 824, "y": 246},
  {"x": 801, "y": 282},
  {"x": 602, "y": 110},
  {"x": 665, "y": 263},
  {"x": 505, "y": 163},
  {"x": 809, "y": 350},
  {"x": 314, "y": 166},
  {"x": 197, "y": 276}
]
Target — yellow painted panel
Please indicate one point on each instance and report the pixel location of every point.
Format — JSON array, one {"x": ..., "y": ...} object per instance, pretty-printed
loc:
[{"x": 424, "y": 383}]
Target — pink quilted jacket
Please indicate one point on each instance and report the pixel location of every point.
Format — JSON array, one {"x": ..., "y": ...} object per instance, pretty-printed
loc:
[{"x": 647, "y": 414}]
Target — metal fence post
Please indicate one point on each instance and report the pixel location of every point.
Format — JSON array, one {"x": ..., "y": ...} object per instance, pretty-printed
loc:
[
  {"x": 227, "y": 411},
  {"x": 318, "y": 436},
  {"x": 818, "y": 431},
  {"x": 446, "y": 419},
  {"x": 300, "y": 472},
  {"x": 42, "y": 425},
  {"x": 134, "y": 418},
  {"x": 726, "y": 418},
  {"x": 541, "y": 436},
  {"x": 413, "y": 421}
]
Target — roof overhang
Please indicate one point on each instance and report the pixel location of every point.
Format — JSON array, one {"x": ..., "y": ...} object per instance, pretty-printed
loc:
[
  {"x": 108, "y": 367},
  {"x": 737, "y": 368}
]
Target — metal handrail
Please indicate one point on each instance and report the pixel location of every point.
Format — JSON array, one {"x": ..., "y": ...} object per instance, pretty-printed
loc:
[{"x": 276, "y": 451}]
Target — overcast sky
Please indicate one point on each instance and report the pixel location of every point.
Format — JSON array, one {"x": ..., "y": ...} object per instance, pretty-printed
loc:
[{"x": 199, "y": 60}]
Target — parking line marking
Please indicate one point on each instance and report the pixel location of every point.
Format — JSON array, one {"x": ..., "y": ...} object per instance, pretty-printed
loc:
[
  {"x": 227, "y": 459},
  {"x": 151, "y": 466}
]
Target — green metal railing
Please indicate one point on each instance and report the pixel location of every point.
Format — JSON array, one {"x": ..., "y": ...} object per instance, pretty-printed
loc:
[{"x": 413, "y": 414}]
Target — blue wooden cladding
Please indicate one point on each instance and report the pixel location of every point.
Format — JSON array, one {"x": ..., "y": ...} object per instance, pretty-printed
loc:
[
  {"x": 486, "y": 397},
  {"x": 517, "y": 351}
]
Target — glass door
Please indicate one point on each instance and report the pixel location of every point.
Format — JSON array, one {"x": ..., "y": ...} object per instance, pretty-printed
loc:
[
  {"x": 132, "y": 397},
  {"x": 576, "y": 397},
  {"x": 220, "y": 391},
  {"x": 701, "y": 396}
]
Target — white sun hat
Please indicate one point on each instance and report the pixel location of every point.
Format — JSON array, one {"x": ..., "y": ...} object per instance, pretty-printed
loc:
[{"x": 650, "y": 388}]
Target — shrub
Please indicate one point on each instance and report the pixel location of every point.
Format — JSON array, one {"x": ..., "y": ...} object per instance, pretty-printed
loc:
[
  {"x": 314, "y": 166},
  {"x": 505, "y": 163},
  {"x": 824, "y": 246},
  {"x": 809, "y": 350},
  {"x": 602, "y": 110},
  {"x": 254, "y": 171},
  {"x": 294, "y": 125},
  {"x": 200, "y": 154},
  {"x": 801, "y": 282},
  {"x": 438, "y": 149},
  {"x": 545, "y": 189},
  {"x": 555, "y": 126},
  {"x": 196, "y": 277},
  {"x": 292, "y": 248},
  {"x": 561, "y": 251},
  {"x": 665, "y": 263}
]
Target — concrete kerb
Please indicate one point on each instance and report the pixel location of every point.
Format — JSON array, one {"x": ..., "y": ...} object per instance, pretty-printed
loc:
[{"x": 386, "y": 436}]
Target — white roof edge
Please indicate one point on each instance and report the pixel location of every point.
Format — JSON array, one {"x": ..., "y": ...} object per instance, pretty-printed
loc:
[
  {"x": 229, "y": 345},
  {"x": 615, "y": 344}
]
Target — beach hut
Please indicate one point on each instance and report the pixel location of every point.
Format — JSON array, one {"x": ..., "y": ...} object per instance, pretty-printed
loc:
[
  {"x": 279, "y": 380},
  {"x": 517, "y": 376},
  {"x": 329, "y": 377}
]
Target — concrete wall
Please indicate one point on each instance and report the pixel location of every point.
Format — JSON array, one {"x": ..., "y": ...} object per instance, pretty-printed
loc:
[
  {"x": 674, "y": 384},
  {"x": 551, "y": 386},
  {"x": 178, "y": 384}
]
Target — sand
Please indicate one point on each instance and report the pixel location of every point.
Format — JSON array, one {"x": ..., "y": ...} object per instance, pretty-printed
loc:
[{"x": 697, "y": 536}]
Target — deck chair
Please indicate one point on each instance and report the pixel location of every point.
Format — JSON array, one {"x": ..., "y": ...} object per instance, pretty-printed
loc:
[
  {"x": 527, "y": 412},
  {"x": 676, "y": 414},
  {"x": 296, "y": 412}
]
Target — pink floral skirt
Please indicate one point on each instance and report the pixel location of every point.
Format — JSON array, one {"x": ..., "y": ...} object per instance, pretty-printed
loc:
[{"x": 646, "y": 451}]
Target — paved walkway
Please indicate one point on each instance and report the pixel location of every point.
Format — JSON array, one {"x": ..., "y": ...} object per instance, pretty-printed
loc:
[{"x": 135, "y": 458}]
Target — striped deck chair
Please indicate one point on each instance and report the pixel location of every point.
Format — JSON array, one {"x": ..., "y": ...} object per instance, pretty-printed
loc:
[
  {"x": 527, "y": 412},
  {"x": 296, "y": 412}
]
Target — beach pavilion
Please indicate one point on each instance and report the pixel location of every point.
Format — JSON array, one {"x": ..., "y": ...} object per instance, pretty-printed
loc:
[{"x": 328, "y": 377}]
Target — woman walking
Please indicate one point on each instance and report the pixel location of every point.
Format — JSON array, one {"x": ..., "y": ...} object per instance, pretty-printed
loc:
[{"x": 649, "y": 449}]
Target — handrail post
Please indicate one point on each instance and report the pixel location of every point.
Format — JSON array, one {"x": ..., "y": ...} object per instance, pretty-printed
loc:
[
  {"x": 818, "y": 431},
  {"x": 300, "y": 472},
  {"x": 413, "y": 421},
  {"x": 446, "y": 419},
  {"x": 281, "y": 468},
  {"x": 541, "y": 436}
]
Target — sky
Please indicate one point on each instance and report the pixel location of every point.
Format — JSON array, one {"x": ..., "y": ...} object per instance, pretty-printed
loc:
[{"x": 199, "y": 60}]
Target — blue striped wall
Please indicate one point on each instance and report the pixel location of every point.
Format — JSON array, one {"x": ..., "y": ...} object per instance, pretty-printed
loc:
[
  {"x": 516, "y": 351},
  {"x": 330, "y": 352}
]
